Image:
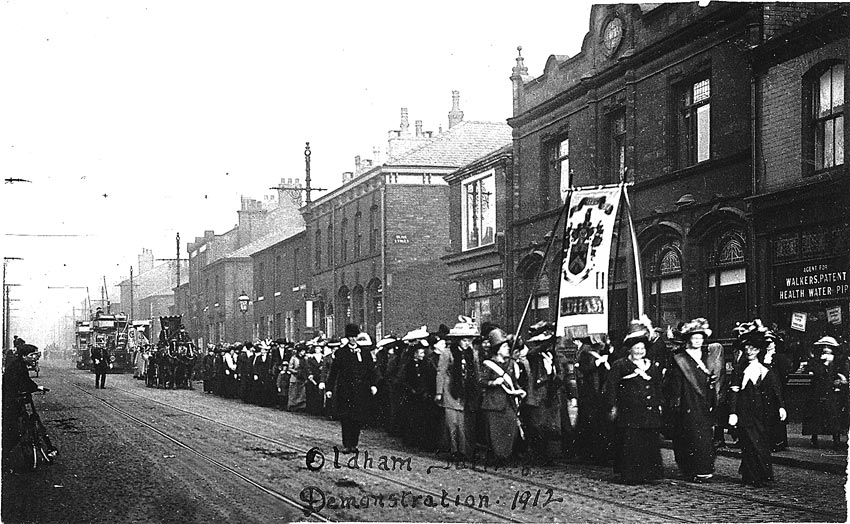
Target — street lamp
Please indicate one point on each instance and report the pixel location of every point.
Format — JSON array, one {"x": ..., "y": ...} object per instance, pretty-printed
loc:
[
  {"x": 6, "y": 317},
  {"x": 243, "y": 307}
]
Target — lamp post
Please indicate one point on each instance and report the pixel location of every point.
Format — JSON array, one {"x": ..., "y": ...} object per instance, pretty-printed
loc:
[
  {"x": 243, "y": 307},
  {"x": 6, "y": 316}
]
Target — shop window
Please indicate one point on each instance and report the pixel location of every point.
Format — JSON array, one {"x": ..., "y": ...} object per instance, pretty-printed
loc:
[
  {"x": 824, "y": 133},
  {"x": 664, "y": 280},
  {"x": 479, "y": 211},
  {"x": 694, "y": 108},
  {"x": 727, "y": 283}
]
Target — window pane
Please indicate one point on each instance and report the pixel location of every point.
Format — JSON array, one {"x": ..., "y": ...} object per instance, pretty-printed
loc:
[
  {"x": 730, "y": 277},
  {"x": 702, "y": 90},
  {"x": 828, "y": 143},
  {"x": 671, "y": 285},
  {"x": 837, "y": 86},
  {"x": 703, "y": 132},
  {"x": 839, "y": 141},
  {"x": 488, "y": 210},
  {"x": 819, "y": 145},
  {"x": 671, "y": 309},
  {"x": 824, "y": 94}
]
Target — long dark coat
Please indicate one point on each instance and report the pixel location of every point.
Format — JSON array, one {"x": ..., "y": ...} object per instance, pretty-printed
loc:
[
  {"x": 419, "y": 410},
  {"x": 638, "y": 403},
  {"x": 690, "y": 397},
  {"x": 594, "y": 431},
  {"x": 823, "y": 413},
  {"x": 350, "y": 381},
  {"x": 265, "y": 386},
  {"x": 541, "y": 408},
  {"x": 313, "y": 372},
  {"x": 101, "y": 355},
  {"x": 755, "y": 404},
  {"x": 499, "y": 409}
]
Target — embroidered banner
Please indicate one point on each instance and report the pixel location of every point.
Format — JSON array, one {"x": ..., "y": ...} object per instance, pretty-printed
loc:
[{"x": 583, "y": 291}]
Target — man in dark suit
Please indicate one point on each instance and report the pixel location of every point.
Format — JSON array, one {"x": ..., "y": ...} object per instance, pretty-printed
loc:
[
  {"x": 100, "y": 356},
  {"x": 352, "y": 381}
]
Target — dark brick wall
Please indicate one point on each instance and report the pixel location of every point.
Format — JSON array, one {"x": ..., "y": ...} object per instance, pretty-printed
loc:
[{"x": 281, "y": 287}]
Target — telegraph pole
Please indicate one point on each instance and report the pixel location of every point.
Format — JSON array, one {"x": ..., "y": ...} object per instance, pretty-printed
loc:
[{"x": 6, "y": 316}]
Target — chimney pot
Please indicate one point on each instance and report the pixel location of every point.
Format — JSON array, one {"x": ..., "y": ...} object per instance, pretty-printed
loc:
[
  {"x": 405, "y": 123},
  {"x": 418, "y": 124}
]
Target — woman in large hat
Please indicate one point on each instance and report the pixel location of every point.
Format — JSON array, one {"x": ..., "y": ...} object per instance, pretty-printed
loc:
[
  {"x": 754, "y": 396},
  {"x": 500, "y": 396},
  {"x": 421, "y": 415},
  {"x": 633, "y": 392},
  {"x": 829, "y": 383},
  {"x": 690, "y": 395},
  {"x": 457, "y": 387},
  {"x": 541, "y": 408},
  {"x": 594, "y": 431}
]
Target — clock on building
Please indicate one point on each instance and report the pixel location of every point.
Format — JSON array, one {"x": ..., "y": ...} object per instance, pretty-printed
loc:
[{"x": 612, "y": 35}]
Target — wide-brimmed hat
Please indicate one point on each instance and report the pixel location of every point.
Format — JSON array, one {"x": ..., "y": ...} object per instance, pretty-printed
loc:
[
  {"x": 541, "y": 331},
  {"x": 637, "y": 333},
  {"x": 363, "y": 339},
  {"x": 465, "y": 327},
  {"x": 334, "y": 343},
  {"x": 416, "y": 334},
  {"x": 827, "y": 341},
  {"x": 386, "y": 341},
  {"x": 697, "y": 325}
]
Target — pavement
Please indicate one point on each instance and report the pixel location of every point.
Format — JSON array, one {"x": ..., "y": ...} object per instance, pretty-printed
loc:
[{"x": 800, "y": 453}]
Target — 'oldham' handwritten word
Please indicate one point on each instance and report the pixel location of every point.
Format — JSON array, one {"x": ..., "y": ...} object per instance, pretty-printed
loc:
[{"x": 316, "y": 461}]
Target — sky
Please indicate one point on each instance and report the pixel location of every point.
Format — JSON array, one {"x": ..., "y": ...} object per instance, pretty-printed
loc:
[{"x": 134, "y": 121}]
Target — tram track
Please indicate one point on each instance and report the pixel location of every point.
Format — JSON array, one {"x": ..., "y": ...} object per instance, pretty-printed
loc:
[
  {"x": 307, "y": 512},
  {"x": 832, "y": 515},
  {"x": 516, "y": 479}
]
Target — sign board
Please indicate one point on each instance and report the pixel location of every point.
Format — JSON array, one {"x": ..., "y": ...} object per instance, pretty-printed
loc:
[
  {"x": 833, "y": 315},
  {"x": 826, "y": 279},
  {"x": 798, "y": 321},
  {"x": 583, "y": 290},
  {"x": 308, "y": 316},
  {"x": 401, "y": 239}
]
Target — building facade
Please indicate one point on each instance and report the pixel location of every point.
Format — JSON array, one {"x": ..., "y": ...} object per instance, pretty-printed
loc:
[
  {"x": 658, "y": 98},
  {"x": 477, "y": 205},
  {"x": 281, "y": 272},
  {"x": 801, "y": 205},
  {"x": 376, "y": 242}
]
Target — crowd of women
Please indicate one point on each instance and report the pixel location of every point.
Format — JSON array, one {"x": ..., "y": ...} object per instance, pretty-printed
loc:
[{"x": 479, "y": 393}]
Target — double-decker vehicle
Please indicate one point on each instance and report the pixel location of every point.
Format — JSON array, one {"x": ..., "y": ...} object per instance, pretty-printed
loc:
[
  {"x": 111, "y": 332},
  {"x": 82, "y": 347}
]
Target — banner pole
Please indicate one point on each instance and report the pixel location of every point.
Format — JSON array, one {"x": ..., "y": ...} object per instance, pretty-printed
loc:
[
  {"x": 542, "y": 267},
  {"x": 636, "y": 253}
]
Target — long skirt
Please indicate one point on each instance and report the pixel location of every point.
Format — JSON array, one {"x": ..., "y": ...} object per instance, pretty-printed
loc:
[
  {"x": 460, "y": 427},
  {"x": 756, "y": 464},
  {"x": 314, "y": 399},
  {"x": 297, "y": 396},
  {"x": 693, "y": 447},
  {"x": 638, "y": 455},
  {"x": 502, "y": 431}
]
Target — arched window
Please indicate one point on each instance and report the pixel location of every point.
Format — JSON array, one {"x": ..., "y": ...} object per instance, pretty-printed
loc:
[
  {"x": 664, "y": 282},
  {"x": 726, "y": 282},
  {"x": 823, "y": 117},
  {"x": 343, "y": 240}
]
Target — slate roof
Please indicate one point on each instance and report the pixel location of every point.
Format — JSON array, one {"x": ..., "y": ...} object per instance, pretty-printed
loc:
[
  {"x": 283, "y": 231},
  {"x": 460, "y": 145}
]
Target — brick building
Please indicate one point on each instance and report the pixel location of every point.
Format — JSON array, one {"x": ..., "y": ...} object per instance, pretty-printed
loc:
[
  {"x": 801, "y": 205},
  {"x": 281, "y": 271},
  {"x": 152, "y": 289},
  {"x": 221, "y": 268},
  {"x": 658, "y": 97},
  {"x": 376, "y": 242},
  {"x": 477, "y": 205}
]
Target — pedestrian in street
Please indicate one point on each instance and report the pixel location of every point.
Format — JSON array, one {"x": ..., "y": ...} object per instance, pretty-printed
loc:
[
  {"x": 690, "y": 397},
  {"x": 541, "y": 407},
  {"x": 457, "y": 388},
  {"x": 386, "y": 348},
  {"x": 231, "y": 379},
  {"x": 243, "y": 371},
  {"x": 313, "y": 370},
  {"x": 754, "y": 397},
  {"x": 418, "y": 407},
  {"x": 829, "y": 383},
  {"x": 351, "y": 383},
  {"x": 778, "y": 360},
  {"x": 265, "y": 385},
  {"x": 100, "y": 358},
  {"x": 500, "y": 397},
  {"x": 297, "y": 378},
  {"x": 209, "y": 368},
  {"x": 594, "y": 430},
  {"x": 327, "y": 362},
  {"x": 633, "y": 392}
]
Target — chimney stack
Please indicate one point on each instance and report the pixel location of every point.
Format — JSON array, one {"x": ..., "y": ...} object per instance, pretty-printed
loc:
[
  {"x": 357, "y": 164},
  {"x": 405, "y": 123},
  {"x": 455, "y": 115},
  {"x": 418, "y": 124}
]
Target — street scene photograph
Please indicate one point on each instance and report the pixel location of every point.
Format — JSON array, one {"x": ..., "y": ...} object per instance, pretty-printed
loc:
[{"x": 438, "y": 262}]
